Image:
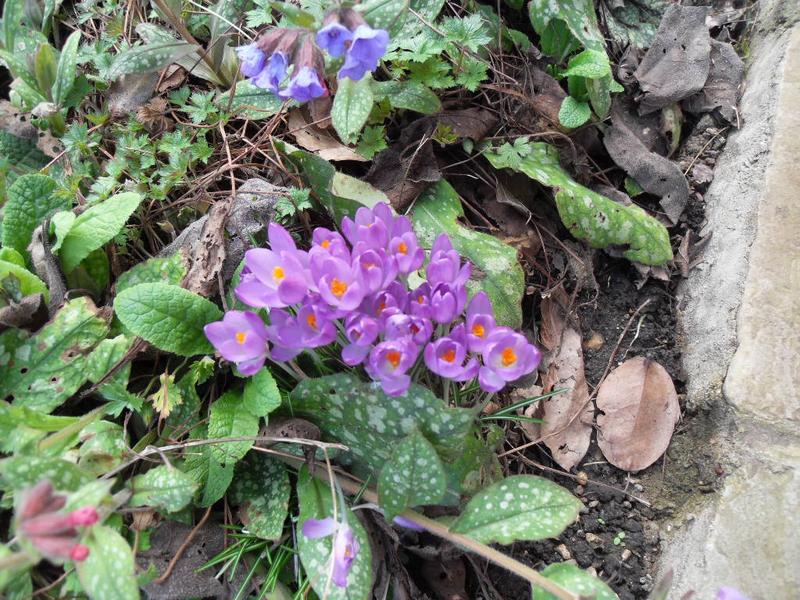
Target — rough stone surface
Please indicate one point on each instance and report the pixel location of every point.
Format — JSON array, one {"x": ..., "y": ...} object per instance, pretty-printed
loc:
[{"x": 741, "y": 322}]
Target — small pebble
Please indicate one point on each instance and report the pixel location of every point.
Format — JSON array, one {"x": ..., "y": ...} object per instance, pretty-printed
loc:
[
  {"x": 690, "y": 517},
  {"x": 626, "y": 554},
  {"x": 638, "y": 487},
  {"x": 579, "y": 489},
  {"x": 594, "y": 539},
  {"x": 582, "y": 477},
  {"x": 626, "y": 504},
  {"x": 564, "y": 552},
  {"x": 594, "y": 503}
]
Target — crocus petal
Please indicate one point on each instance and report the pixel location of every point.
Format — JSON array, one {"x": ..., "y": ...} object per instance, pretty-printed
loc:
[
  {"x": 489, "y": 380},
  {"x": 317, "y": 528}
]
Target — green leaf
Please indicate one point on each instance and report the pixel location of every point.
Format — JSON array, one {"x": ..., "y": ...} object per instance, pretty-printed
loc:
[
  {"x": 410, "y": 95},
  {"x": 557, "y": 41},
  {"x": 95, "y": 227},
  {"x": 163, "y": 487},
  {"x": 599, "y": 221},
  {"x": 413, "y": 476},
  {"x": 575, "y": 580},
  {"x": 44, "y": 68},
  {"x": 169, "y": 317},
  {"x": 371, "y": 423},
  {"x": 351, "y": 107},
  {"x": 574, "y": 113},
  {"x": 171, "y": 269},
  {"x": 315, "y": 502},
  {"x": 42, "y": 371},
  {"x": 18, "y": 68},
  {"x": 262, "y": 491},
  {"x": 13, "y": 11},
  {"x": 30, "y": 201},
  {"x": 22, "y": 154},
  {"x": 228, "y": 419},
  {"x": 67, "y": 68},
  {"x": 104, "y": 447},
  {"x": 427, "y": 10},
  {"x": 495, "y": 268},
  {"x": 521, "y": 507},
  {"x": 350, "y": 188},
  {"x": 600, "y": 94},
  {"x": 385, "y": 14},
  {"x": 251, "y": 102},
  {"x": 28, "y": 282},
  {"x": 109, "y": 572},
  {"x": 212, "y": 477},
  {"x": 261, "y": 395},
  {"x": 578, "y": 16},
  {"x": 148, "y": 58},
  {"x": 589, "y": 63},
  {"x": 20, "y": 472}
]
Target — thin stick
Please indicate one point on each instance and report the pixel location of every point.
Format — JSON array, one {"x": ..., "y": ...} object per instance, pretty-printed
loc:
[{"x": 182, "y": 549}]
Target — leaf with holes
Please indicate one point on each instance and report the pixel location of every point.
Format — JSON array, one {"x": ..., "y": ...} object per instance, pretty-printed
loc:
[
  {"x": 315, "y": 502},
  {"x": 43, "y": 370},
  {"x": 228, "y": 419},
  {"x": 149, "y": 57},
  {"x": 410, "y": 95},
  {"x": 30, "y": 201},
  {"x": 20, "y": 472},
  {"x": 351, "y": 107},
  {"x": 575, "y": 580},
  {"x": 522, "y": 507},
  {"x": 109, "y": 571},
  {"x": 371, "y": 423},
  {"x": 171, "y": 269},
  {"x": 95, "y": 227},
  {"x": 495, "y": 270},
  {"x": 169, "y": 317},
  {"x": 262, "y": 491},
  {"x": 261, "y": 395},
  {"x": 599, "y": 221},
  {"x": 163, "y": 487},
  {"x": 414, "y": 476},
  {"x": 67, "y": 68}
]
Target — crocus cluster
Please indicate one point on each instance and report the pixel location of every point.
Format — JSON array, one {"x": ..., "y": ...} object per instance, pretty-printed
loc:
[
  {"x": 289, "y": 62},
  {"x": 352, "y": 288},
  {"x": 51, "y": 532}
]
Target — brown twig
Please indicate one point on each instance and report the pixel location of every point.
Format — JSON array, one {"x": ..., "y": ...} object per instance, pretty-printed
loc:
[{"x": 182, "y": 549}]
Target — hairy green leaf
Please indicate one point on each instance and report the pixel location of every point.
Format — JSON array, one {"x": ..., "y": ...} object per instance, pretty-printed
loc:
[
  {"x": 163, "y": 487},
  {"x": 251, "y": 102},
  {"x": 18, "y": 68},
  {"x": 261, "y": 395},
  {"x": 95, "y": 227},
  {"x": 599, "y": 221},
  {"x": 170, "y": 269},
  {"x": 521, "y": 507},
  {"x": 589, "y": 63},
  {"x": 351, "y": 107},
  {"x": 109, "y": 572},
  {"x": 574, "y": 113},
  {"x": 495, "y": 268},
  {"x": 413, "y": 476},
  {"x": 229, "y": 419},
  {"x": 28, "y": 282},
  {"x": 67, "y": 68},
  {"x": 43, "y": 370},
  {"x": 30, "y": 201},
  {"x": 575, "y": 580},
  {"x": 169, "y": 317},
  {"x": 262, "y": 491}
]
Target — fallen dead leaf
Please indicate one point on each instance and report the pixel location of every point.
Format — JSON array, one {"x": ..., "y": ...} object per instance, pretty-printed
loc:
[
  {"x": 473, "y": 123},
  {"x": 208, "y": 255},
  {"x": 130, "y": 92},
  {"x": 567, "y": 417},
  {"x": 638, "y": 411},
  {"x": 318, "y": 140},
  {"x": 722, "y": 88}
]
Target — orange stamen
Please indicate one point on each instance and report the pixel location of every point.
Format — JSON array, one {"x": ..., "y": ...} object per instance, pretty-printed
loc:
[
  {"x": 312, "y": 321},
  {"x": 449, "y": 355},
  {"x": 478, "y": 330},
  {"x": 509, "y": 357},
  {"x": 402, "y": 248},
  {"x": 241, "y": 337},
  {"x": 325, "y": 244},
  {"x": 420, "y": 299},
  {"x": 393, "y": 356},
  {"x": 278, "y": 274},
  {"x": 338, "y": 287}
]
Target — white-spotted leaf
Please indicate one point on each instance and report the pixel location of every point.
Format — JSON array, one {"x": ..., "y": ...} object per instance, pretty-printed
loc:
[
  {"x": 169, "y": 317},
  {"x": 315, "y": 502},
  {"x": 261, "y": 490},
  {"x": 575, "y": 580},
  {"x": 574, "y": 113},
  {"x": 414, "y": 476},
  {"x": 109, "y": 572},
  {"x": 163, "y": 487},
  {"x": 522, "y": 507},
  {"x": 351, "y": 107},
  {"x": 149, "y": 57},
  {"x": 67, "y": 68},
  {"x": 20, "y": 472}
]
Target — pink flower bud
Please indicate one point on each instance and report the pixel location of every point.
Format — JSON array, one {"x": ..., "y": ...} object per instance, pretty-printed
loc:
[
  {"x": 35, "y": 499},
  {"x": 54, "y": 546},
  {"x": 79, "y": 552},
  {"x": 47, "y": 524},
  {"x": 83, "y": 517}
]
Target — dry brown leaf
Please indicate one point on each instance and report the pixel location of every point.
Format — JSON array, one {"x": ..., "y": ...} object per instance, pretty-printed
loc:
[
  {"x": 567, "y": 417},
  {"x": 639, "y": 409},
  {"x": 318, "y": 140},
  {"x": 209, "y": 252}
]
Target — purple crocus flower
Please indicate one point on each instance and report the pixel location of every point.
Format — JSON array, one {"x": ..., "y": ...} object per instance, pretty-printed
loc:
[
  {"x": 507, "y": 356},
  {"x": 729, "y": 593},
  {"x": 252, "y": 59},
  {"x": 338, "y": 283},
  {"x": 366, "y": 49},
  {"x": 406, "y": 251},
  {"x": 333, "y": 38},
  {"x": 399, "y": 325},
  {"x": 419, "y": 301},
  {"x": 445, "y": 264},
  {"x": 392, "y": 300},
  {"x": 272, "y": 76},
  {"x": 240, "y": 337},
  {"x": 305, "y": 85},
  {"x": 367, "y": 229},
  {"x": 388, "y": 363},
  {"x": 345, "y": 545},
  {"x": 447, "y": 302},
  {"x": 284, "y": 333},
  {"x": 480, "y": 322},
  {"x": 361, "y": 331},
  {"x": 314, "y": 324},
  {"x": 377, "y": 269},
  {"x": 395, "y": 225},
  {"x": 446, "y": 356},
  {"x": 324, "y": 241}
]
